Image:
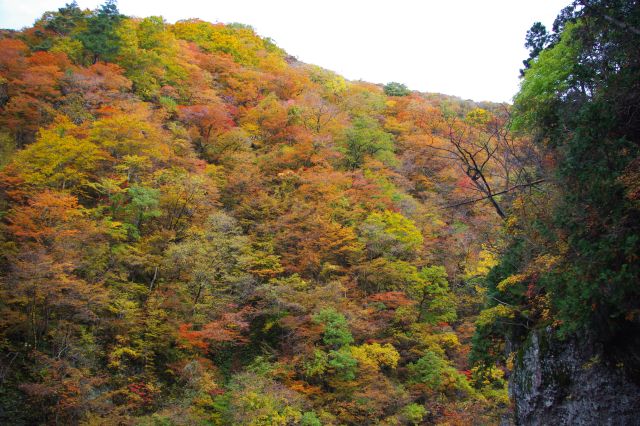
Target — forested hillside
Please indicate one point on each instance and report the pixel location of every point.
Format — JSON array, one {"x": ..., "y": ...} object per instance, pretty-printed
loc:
[{"x": 197, "y": 228}]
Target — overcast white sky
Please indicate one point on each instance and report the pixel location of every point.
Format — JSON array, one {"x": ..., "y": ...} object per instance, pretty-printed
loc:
[{"x": 468, "y": 48}]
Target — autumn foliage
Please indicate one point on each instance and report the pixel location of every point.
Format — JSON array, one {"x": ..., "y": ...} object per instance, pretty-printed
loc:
[{"x": 196, "y": 228}]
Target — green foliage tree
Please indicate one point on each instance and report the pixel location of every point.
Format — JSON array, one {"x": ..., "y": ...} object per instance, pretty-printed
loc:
[
  {"x": 436, "y": 373},
  {"x": 65, "y": 20},
  {"x": 536, "y": 40},
  {"x": 365, "y": 138},
  {"x": 428, "y": 370},
  {"x": 414, "y": 413},
  {"x": 142, "y": 206},
  {"x": 336, "y": 331},
  {"x": 342, "y": 364},
  {"x": 100, "y": 38},
  {"x": 436, "y": 303},
  {"x": 396, "y": 89}
]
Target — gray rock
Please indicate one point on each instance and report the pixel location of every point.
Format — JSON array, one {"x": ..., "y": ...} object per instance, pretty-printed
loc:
[{"x": 568, "y": 382}]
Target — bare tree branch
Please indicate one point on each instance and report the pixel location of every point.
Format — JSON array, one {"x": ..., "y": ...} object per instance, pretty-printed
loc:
[{"x": 524, "y": 185}]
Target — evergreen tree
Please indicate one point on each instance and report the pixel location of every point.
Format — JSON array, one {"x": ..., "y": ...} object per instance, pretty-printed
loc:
[{"x": 100, "y": 38}]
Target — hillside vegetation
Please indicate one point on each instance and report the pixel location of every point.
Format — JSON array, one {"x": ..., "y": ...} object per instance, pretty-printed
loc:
[{"x": 197, "y": 228}]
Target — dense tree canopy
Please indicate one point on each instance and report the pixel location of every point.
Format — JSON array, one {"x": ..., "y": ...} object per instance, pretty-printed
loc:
[{"x": 196, "y": 228}]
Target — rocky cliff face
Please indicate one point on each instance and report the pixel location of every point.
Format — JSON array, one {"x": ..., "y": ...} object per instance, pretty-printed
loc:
[{"x": 571, "y": 382}]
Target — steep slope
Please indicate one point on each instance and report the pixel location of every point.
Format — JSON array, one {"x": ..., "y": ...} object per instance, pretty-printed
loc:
[{"x": 198, "y": 229}]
